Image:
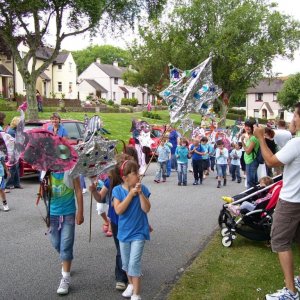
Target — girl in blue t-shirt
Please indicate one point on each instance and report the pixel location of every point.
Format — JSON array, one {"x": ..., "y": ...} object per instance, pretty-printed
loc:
[{"x": 131, "y": 203}]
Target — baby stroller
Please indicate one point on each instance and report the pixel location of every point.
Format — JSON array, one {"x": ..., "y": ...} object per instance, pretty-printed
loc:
[{"x": 254, "y": 225}]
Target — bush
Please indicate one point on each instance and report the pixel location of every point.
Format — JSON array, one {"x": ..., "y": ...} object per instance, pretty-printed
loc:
[
  {"x": 232, "y": 116},
  {"x": 110, "y": 102},
  {"x": 129, "y": 101},
  {"x": 150, "y": 115},
  {"x": 124, "y": 109},
  {"x": 240, "y": 112}
]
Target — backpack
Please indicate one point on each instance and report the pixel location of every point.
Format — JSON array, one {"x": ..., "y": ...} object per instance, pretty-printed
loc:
[{"x": 258, "y": 156}]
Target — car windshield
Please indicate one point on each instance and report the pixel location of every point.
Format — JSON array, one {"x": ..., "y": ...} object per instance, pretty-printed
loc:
[
  {"x": 32, "y": 126},
  {"x": 156, "y": 133}
]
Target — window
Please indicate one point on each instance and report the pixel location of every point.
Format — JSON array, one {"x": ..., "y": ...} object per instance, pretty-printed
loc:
[
  {"x": 275, "y": 97},
  {"x": 59, "y": 86},
  {"x": 133, "y": 95},
  {"x": 8, "y": 57},
  {"x": 116, "y": 80},
  {"x": 259, "y": 97},
  {"x": 125, "y": 95},
  {"x": 73, "y": 131},
  {"x": 70, "y": 67},
  {"x": 256, "y": 113},
  {"x": 59, "y": 67},
  {"x": 114, "y": 96},
  {"x": 70, "y": 87}
]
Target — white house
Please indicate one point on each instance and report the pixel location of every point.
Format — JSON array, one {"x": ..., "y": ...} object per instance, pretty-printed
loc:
[
  {"x": 57, "y": 81},
  {"x": 105, "y": 81},
  {"x": 261, "y": 100}
]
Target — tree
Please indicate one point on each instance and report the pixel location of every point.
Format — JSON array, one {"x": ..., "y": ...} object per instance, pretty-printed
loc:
[
  {"x": 290, "y": 92},
  {"x": 29, "y": 21},
  {"x": 108, "y": 54},
  {"x": 243, "y": 37}
]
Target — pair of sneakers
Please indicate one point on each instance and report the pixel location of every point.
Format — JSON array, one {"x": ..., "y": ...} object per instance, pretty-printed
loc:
[
  {"x": 128, "y": 293},
  {"x": 285, "y": 293}
]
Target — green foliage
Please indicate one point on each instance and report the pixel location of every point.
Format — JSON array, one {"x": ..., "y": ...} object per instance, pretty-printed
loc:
[
  {"x": 77, "y": 16},
  {"x": 232, "y": 116},
  {"x": 290, "y": 93},
  {"x": 243, "y": 37},
  {"x": 107, "y": 54},
  {"x": 240, "y": 112},
  {"x": 6, "y": 105},
  {"x": 110, "y": 102},
  {"x": 150, "y": 115},
  {"x": 129, "y": 101}
]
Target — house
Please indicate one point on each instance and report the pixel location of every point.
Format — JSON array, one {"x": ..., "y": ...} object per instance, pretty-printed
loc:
[
  {"x": 57, "y": 81},
  {"x": 261, "y": 100},
  {"x": 105, "y": 81}
]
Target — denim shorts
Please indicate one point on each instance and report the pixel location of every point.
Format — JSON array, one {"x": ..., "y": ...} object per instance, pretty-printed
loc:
[
  {"x": 221, "y": 170},
  {"x": 62, "y": 233},
  {"x": 131, "y": 254},
  {"x": 2, "y": 183}
]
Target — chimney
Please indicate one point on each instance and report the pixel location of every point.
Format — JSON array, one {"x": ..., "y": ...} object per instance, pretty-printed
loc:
[
  {"x": 98, "y": 60},
  {"x": 115, "y": 64}
]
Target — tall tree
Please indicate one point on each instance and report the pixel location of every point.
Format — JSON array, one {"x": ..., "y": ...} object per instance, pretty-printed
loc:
[
  {"x": 244, "y": 36},
  {"x": 290, "y": 93},
  {"x": 29, "y": 21},
  {"x": 108, "y": 54}
]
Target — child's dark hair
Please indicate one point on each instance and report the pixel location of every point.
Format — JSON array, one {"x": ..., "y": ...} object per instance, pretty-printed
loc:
[
  {"x": 240, "y": 145},
  {"x": 267, "y": 180},
  {"x": 204, "y": 139},
  {"x": 219, "y": 142},
  {"x": 126, "y": 167}
]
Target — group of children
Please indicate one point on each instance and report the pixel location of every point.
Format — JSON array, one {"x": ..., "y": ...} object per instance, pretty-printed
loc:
[{"x": 204, "y": 157}]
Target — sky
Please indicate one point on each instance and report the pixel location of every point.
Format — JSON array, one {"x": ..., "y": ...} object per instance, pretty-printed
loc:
[{"x": 281, "y": 66}]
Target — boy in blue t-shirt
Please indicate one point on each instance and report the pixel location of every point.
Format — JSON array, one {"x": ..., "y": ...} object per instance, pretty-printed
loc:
[
  {"x": 197, "y": 151},
  {"x": 181, "y": 153}
]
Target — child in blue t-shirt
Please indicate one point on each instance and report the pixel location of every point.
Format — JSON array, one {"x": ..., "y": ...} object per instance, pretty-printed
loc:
[
  {"x": 196, "y": 151},
  {"x": 131, "y": 203},
  {"x": 63, "y": 218},
  {"x": 205, "y": 157},
  {"x": 221, "y": 162},
  {"x": 163, "y": 151},
  {"x": 3, "y": 169},
  {"x": 181, "y": 153}
]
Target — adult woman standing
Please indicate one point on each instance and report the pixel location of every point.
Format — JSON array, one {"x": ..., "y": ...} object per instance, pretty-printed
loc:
[
  {"x": 56, "y": 127},
  {"x": 250, "y": 146}
]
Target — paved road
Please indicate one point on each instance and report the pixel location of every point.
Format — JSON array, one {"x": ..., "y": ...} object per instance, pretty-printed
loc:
[{"x": 183, "y": 219}]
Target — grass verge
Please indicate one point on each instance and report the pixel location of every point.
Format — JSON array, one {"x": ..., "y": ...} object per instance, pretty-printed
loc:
[{"x": 247, "y": 270}]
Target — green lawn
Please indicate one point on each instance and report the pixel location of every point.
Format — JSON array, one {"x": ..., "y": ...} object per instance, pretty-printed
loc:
[{"x": 246, "y": 270}]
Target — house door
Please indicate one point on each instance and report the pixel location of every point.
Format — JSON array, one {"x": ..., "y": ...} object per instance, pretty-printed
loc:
[
  {"x": 98, "y": 94},
  {"x": 264, "y": 114}
]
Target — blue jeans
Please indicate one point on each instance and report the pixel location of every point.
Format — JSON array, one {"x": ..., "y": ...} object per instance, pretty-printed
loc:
[
  {"x": 251, "y": 173},
  {"x": 131, "y": 254},
  {"x": 62, "y": 234},
  {"x": 120, "y": 274},
  {"x": 173, "y": 162},
  {"x": 161, "y": 170},
  {"x": 221, "y": 170},
  {"x": 14, "y": 179},
  {"x": 168, "y": 168},
  {"x": 235, "y": 172},
  {"x": 40, "y": 106},
  {"x": 182, "y": 173}
]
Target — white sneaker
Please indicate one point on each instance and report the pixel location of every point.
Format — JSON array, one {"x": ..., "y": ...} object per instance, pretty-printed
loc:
[
  {"x": 135, "y": 297},
  {"x": 5, "y": 207},
  {"x": 128, "y": 292},
  {"x": 84, "y": 191},
  {"x": 63, "y": 288},
  {"x": 283, "y": 294}
]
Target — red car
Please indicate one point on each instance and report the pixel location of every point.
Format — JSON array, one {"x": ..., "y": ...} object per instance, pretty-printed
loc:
[
  {"x": 75, "y": 131},
  {"x": 156, "y": 134}
]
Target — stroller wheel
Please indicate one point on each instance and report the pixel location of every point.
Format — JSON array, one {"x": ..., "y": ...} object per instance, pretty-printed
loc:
[
  {"x": 225, "y": 232},
  {"x": 226, "y": 241}
]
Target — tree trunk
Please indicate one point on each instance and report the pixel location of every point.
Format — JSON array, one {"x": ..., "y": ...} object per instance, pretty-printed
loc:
[{"x": 32, "y": 110}]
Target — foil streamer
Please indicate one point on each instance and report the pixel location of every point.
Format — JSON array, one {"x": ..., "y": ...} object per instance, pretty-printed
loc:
[
  {"x": 186, "y": 125},
  {"x": 7, "y": 145},
  {"x": 96, "y": 156},
  {"x": 194, "y": 91}
]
